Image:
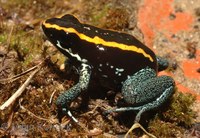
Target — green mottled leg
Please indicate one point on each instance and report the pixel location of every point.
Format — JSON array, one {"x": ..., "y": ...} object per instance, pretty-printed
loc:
[
  {"x": 150, "y": 87},
  {"x": 68, "y": 96},
  {"x": 145, "y": 92}
]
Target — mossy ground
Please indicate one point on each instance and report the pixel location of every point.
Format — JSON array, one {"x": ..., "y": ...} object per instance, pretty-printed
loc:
[{"x": 22, "y": 46}]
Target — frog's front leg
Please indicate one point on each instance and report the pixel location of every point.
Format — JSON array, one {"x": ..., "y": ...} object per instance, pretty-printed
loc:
[
  {"x": 68, "y": 96},
  {"x": 145, "y": 91}
]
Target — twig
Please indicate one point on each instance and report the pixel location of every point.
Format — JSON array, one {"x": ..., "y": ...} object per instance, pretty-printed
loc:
[
  {"x": 90, "y": 112},
  {"x": 56, "y": 124},
  {"x": 50, "y": 100},
  {"x": 30, "y": 113},
  {"x": 137, "y": 125},
  {"x": 18, "y": 92},
  {"x": 13, "y": 78}
]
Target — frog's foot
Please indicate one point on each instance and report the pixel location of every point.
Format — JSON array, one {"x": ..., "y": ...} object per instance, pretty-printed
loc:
[
  {"x": 137, "y": 125},
  {"x": 68, "y": 112}
]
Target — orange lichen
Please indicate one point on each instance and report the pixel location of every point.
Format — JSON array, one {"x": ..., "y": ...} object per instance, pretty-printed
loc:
[
  {"x": 191, "y": 66},
  {"x": 160, "y": 17},
  {"x": 154, "y": 17}
]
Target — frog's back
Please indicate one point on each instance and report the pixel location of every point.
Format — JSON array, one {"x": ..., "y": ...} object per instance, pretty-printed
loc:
[{"x": 112, "y": 55}]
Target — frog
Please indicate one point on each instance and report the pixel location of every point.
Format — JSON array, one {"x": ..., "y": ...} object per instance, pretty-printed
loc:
[{"x": 118, "y": 58}]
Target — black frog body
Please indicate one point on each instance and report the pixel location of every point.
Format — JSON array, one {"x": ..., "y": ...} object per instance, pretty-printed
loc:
[
  {"x": 111, "y": 54},
  {"x": 118, "y": 58}
]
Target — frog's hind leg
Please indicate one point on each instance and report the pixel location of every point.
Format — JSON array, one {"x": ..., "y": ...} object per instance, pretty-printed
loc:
[{"x": 145, "y": 91}]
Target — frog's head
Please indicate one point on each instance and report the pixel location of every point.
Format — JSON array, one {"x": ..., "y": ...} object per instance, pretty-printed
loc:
[{"x": 61, "y": 31}]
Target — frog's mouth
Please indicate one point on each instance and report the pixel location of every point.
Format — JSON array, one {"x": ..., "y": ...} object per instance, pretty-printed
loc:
[{"x": 68, "y": 51}]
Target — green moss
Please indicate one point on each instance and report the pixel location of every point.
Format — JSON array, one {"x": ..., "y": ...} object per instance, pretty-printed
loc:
[
  {"x": 117, "y": 19},
  {"x": 175, "y": 118},
  {"x": 32, "y": 9},
  {"x": 180, "y": 110},
  {"x": 164, "y": 129},
  {"x": 106, "y": 14},
  {"x": 97, "y": 16},
  {"x": 2, "y": 38}
]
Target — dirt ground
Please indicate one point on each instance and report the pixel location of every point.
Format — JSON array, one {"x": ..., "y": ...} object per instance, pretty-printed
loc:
[{"x": 170, "y": 28}]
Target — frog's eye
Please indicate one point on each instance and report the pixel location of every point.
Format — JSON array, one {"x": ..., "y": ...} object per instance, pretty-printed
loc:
[{"x": 69, "y": 18}]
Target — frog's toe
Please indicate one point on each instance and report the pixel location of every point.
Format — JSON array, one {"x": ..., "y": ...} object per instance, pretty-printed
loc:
[
  {"x": 67, "y": 112},
  {"x": 107, "y": 112},
  {"x": 71, "y": 116},
  {"x": 121, "y": 109}
]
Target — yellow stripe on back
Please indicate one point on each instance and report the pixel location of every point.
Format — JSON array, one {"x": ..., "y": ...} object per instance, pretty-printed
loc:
[{"x": 97, "y": 40}]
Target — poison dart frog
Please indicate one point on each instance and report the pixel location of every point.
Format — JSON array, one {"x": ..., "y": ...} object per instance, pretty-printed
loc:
[{"x": 117, "y": 58}]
